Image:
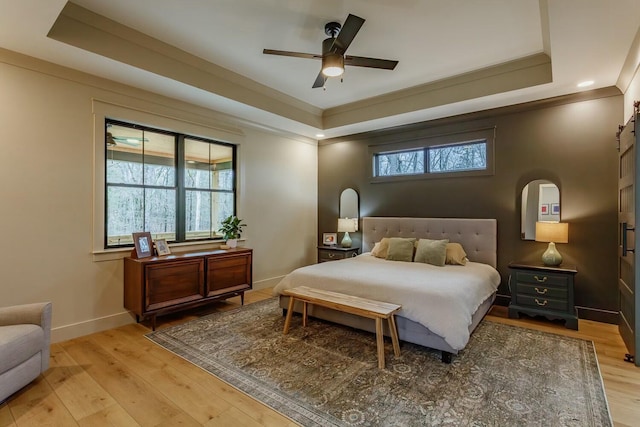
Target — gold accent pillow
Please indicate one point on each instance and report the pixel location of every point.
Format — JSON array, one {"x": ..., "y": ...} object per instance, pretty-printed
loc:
[
  {"x": 456, "y": 254},
  {"x": 381, "y": 248},
  {"x": 432, "y": 252}
]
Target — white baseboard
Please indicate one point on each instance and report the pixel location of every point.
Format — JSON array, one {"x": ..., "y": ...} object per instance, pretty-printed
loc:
[
  {"x": 75, "y": 330},
  {"x": 267, "y": 283}
]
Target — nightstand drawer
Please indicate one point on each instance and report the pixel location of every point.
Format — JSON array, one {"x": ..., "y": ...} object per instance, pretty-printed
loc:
[
  {"x": 542, "y": 303},
  {"x": 334, "y": 253},
  {"x": 541, "y": 278},
  {"x": 329, "y": 255},
  {"x": 555, "y": 292}
]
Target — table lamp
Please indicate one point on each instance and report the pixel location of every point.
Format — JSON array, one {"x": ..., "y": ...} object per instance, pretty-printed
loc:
[
  {"x": 346, "y": 226},
  {"x": 552, "y": 232}
]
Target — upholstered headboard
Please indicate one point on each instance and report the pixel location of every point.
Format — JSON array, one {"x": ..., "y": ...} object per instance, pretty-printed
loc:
[{"x": 478, "y": 237}]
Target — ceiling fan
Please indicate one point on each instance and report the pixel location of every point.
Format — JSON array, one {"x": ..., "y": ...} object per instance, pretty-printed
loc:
[{"x": 333, "y": 51}]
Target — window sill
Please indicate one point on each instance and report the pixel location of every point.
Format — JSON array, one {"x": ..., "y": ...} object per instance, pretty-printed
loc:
[{"x": 121, "y": 253}]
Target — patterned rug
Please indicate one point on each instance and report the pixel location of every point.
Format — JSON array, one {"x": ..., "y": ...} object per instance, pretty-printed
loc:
[{"x": 327, "y": 375}]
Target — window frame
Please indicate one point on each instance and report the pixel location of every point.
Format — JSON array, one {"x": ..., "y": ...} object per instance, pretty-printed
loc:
[
  {"x": 180, "y": 184},
  {"x": 425, "y": 143}
]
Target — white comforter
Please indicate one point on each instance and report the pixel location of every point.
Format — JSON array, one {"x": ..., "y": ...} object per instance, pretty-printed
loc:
[{"x": 441, "y": 298}]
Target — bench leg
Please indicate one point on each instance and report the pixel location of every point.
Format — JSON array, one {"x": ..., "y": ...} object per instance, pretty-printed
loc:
[
  {"x": 380, "y": 342},
  {"x": 394, "y": 335},
  {"x": 287, "y": 320},
  {"x": 304, "y": 314}
]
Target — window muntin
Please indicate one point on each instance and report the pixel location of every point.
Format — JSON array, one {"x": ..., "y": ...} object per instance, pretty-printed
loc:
[{"x": 143, "y": 191}]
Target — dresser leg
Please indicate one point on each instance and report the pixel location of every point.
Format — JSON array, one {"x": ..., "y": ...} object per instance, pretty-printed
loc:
[
  {"x": 513, "y": 314},
  {"x": 571, "y": 324}
]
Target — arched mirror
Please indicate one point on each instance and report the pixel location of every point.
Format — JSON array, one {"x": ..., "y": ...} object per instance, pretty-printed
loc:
[
  {"x": 540, "y": 202},
  {"x": 349, "y": 204}
]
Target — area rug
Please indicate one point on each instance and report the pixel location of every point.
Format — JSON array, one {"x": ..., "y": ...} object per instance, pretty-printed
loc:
[{"x": 327, "y": 375}]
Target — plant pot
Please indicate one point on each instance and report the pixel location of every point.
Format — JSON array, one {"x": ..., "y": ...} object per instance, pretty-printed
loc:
[{"x": 232, "y": 243}]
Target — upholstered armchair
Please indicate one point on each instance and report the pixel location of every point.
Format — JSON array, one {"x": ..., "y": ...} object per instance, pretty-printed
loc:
[{"x": 25, "y": 336}]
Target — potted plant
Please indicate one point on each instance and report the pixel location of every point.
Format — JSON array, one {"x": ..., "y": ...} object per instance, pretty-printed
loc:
[{"x": 231, "y": 229}]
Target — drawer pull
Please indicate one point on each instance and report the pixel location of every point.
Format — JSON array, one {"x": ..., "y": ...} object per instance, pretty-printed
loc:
[
  {"x": 544, "y": 279},
  {"x": 331, "y": 255},
  {"x": 541, "y": 292},
  {"x": 541, "y": 303}
]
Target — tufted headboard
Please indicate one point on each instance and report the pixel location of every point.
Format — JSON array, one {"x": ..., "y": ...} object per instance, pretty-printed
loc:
[{"x": 478, "y": 237}]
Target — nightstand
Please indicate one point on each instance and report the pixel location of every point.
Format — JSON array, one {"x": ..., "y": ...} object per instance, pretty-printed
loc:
[
  {"x": 334, "y": 253},
  {"x": 545, "y": 291}
]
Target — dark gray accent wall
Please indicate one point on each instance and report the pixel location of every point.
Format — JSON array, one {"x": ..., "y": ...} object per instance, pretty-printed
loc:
[{"x": 569, "y": 141}]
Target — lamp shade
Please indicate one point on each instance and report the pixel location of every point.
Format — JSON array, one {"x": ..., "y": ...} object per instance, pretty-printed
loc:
[
  {"x": 347, "y": 225},
  {"x": 556, "y": 232}
]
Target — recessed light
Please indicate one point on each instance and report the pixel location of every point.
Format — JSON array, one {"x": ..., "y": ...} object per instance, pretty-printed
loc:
[
  {"x": 585, "y": 83},
  {"x": 319, "y": 135}
]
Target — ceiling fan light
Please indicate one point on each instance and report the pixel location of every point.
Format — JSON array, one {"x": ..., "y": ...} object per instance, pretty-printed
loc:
[{"x": 332, "y": 65}]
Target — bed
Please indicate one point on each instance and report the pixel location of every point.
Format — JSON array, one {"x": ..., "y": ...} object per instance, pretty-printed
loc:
[{"x": 442, "y": 315}]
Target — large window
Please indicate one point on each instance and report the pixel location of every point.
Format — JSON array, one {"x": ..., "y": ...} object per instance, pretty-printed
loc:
[
  {"x": 176, "y": 186},
  {"x": 448, "y": 155}
]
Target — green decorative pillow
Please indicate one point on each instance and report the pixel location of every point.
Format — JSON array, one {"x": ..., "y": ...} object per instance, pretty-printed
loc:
[
  {"x": 400, "y": 249},
  {"x": 432, "y": 252}
]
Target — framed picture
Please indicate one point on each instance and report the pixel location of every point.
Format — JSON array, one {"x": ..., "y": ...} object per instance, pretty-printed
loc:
[
  {"x": 544, "y": 209},
  {"x": 143, "y": 243},
  {"x": 555, "y": 208},
  {"x": 329, "y": 239},
  {"x": 162, "y": 248}
]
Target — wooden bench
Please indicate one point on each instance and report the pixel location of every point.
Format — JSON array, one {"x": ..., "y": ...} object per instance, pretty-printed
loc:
[{"x": 349, "y": 304}]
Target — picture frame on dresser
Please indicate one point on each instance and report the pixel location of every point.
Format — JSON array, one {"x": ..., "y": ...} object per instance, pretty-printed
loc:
[
  {"x": 329, "y": 239},
  {"x": 162, "y": 248},
  {"x": 143, "y": 244}
]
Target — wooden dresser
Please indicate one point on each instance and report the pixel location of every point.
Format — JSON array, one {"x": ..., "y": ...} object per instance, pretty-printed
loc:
[
  {"x": 545, "y": 291},
  {"x": 159, "y": 285}
]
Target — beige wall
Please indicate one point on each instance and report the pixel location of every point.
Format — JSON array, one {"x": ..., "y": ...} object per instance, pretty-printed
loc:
[
  {"x": 51, "y": 190},
  {"x": 631, "y": 95},
  {"x": 631, "y": 73}
]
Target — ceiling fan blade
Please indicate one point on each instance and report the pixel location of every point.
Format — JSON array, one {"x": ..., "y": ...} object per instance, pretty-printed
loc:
[
  {"x": 347, "y": 33},
  {"x": 319, "y": 80},
  {"x": 294, "y": 54},
  {"x": 360, "y": 61}
]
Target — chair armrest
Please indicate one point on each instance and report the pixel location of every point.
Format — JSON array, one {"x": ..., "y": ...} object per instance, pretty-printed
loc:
[{"x": 37, "y": 314}]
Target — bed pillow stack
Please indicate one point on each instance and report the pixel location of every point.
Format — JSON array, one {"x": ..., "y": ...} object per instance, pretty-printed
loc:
[{"x": 434, "y": 252}]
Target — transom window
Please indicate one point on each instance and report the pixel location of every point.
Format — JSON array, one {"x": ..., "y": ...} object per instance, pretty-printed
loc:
[
  {"x": 433, "y": 158},
  {"x": 176, "y": 186}
]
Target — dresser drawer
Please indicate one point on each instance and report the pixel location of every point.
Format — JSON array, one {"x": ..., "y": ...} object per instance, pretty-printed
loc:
[
  {"x": 541, "y": 278},
  {"x": 555, "y": 292},
  {"x": 542, "y": 302}
]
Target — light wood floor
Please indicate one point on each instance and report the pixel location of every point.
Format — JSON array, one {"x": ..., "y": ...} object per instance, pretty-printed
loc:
[{"x": 119, "y": 378}]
